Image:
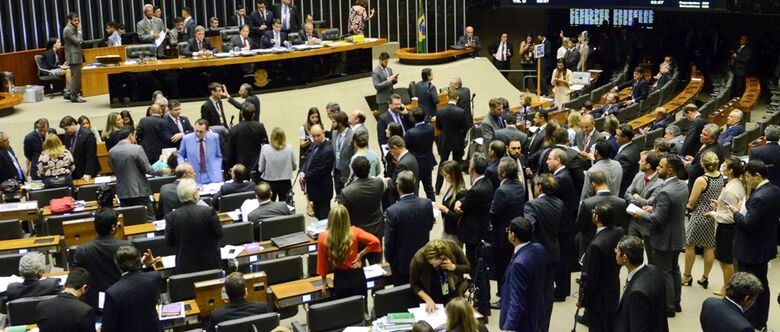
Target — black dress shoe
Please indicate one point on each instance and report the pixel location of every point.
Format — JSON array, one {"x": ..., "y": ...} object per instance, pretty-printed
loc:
[
  {"x": 670, "y": 313},
  {"x": 496, "y": 305},
  {"x": 582, "y": 320},
  {"x": 78, "y": 99},
  {"x": 67, "y": 97},
  {"x": 559, "y": 299},
  {"x": 678, "y": 308}
]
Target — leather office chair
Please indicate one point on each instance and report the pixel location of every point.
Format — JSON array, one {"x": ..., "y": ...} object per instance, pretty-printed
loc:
[
  {"x": 11, "y": 229},
  {"x": 234, "y": 201},
  {"x": 278, "y": 271},
  {"x": 43, "y": 196},
  {"x": 53, "y": 223},
  {"x": 225, "y": 35},
  {"x": 279, "y": 226},
  {"x": 88, "y": 192},
  {"x": 396, "y": 299},
  {"x": 46, "y": 76},
  {"x": 260, "y": 323},
  {"x": 331, "y": 34},
  {"x": 182, "y": 286},
  {"x": 181, "y": 47},
  {"x": 22, "y": 311},
  {"x": 412, "y": 93},
  {"x": 9, "y": 264},
  {"x": 237, "y": 233},
  {"x": 142, "y": 50},
  {"x": 334, "y": 315},
  {"x": 156, "y": 183},
  {"x": 652, "y": 136},
  {"x": 157, "y": 244},
  {"x": 294, "y": 38},
  {"x": 406, "y": 98},
  {"x": 132, "y": 215}
]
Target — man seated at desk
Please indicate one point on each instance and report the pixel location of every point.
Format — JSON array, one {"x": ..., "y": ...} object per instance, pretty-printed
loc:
[
  {"x": 308, "y": 35},
  {"x": 177, "y": 34},
  {"x": 609, "y": 108},
  {"x": 199, "y": 45},
  {"x": 263, "y": 208},
  {"x": 275, "y": 37},
  {"x": 470, "y": 40},
  {"x": 31, "y": 269},
  {"x": 242, "y": 40},
  {"x": 237, "y": 306},
  {"x": 639, "y": 87}
]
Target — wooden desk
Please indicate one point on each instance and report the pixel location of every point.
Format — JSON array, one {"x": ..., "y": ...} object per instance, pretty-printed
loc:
[
  {"x": 761, "y": 141},
  {"x": 310, "y": 289},
  {"x": 26, "y": 211},
  {"x": 133, "y": 231},
  {"x": 191, "y": 314},
  {"x": 410, "y": 56},
  {"x": 208, "y": 293},
  {"x": 88, "y": 206},
  {"x": 39, "y": 243},
  {"x": 8, "y": 100},
  {"x": 695, "y": 84},
  {"x": 78, "y": 232},
  {"x": 750, "y": 97},
  {"x": 622, "y": 96},
  {"x": 102, "y": 155},
  {"x": 271, "y": 251},
  {"x": 95, "y": 80}
]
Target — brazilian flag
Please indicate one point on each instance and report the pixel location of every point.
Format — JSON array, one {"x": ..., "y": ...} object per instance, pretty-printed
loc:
[{"x": 422, "y": 33}]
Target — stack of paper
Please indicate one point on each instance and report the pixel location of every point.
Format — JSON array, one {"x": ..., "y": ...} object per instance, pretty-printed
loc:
[
  {"x": 315, "y": 228},
  {"x": 437, "y": 319},
  {"x": 172, "y": 311},
  {"x": 393, "y": 322},
  {"x": 374, "y": 271}
]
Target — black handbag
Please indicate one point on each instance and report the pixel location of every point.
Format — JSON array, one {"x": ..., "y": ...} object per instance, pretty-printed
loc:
[{"x": 10, "y": 186}]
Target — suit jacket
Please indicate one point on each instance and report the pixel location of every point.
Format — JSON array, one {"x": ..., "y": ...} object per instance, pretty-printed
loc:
[
  {"x": 509, "y": 133},
  {"x": 464, "y": 102},
  {"x": 584, "y": 224},
  {"x": 195, "y": 231},
  {"x": 71, "y": 41},
  {"x": 572, "y": 59},
  {"x": 192, "y": 47},
  {"x": 408, "y": 162},
  {"x": 667, "y": 222},
  {"x": 169, "y": 199},
  {"x": 50, "y": 60},
  {"x": 382, "y": 85},
  {"x": 419, "y": 141},
  {"x": 661, "y": 82},
  {"x": 600, "y": 291},
  {"x": 692, "y": 143},
  {"x": 209, "y": 112},
  {"x": 475, "y": 220},
  {"x": 614, "y": 172},
  {"x": 755, "y": 239},
  {"x": 7, "y": 168},
  {"x": 741, "y": 63},
  {"x": 170, "y": 128},
  {"x": 567, "y": 194},
  {"x": 454, "y": 125},
  {"x": 628, "y": 157},
  {"x": 295, "y": 18},
  {"x": 236, "y": 42},
  {"x": 189, "y": 29},
  {"x": 536, "y": 141},
  {"x": 490, "y": 124},
  {"x": 363, "y": 199},
  {"x": 508, "y": 201},
  {"x": 97, "y": 257},
  {"x": 730, "y": 133},
  {"x": 493, "y": 48},
  {"x": 408, "y": 224},
  {"x": 661, "y": 124},
  {"x": 695, "y": 170},
  {"x": 463, "y": 40},
  {"x": 268, "y": 36},
  {"x": 491, "y": 172},
  {"x": 65, "y": 313},
  {"x": 84, "y": 154},
  {"x": 384, "y": 120},
  {"x": 131, "y": 303},
  {"x": 33, "y": 145},
  {"x": 647, "y": 193},
  {"x": 305, "y": 38},
  {"x": 427, "y": 97},
  {"x": 234, "y": 310},
  {"x": 233, "y": 21},
  {"x": 318, "y": 169},
  {"x": 639, "y": 89},
  {"x": 548, "y": 61},
  {"x": 522, "y": 304},
  {"x": 130, "y": 165},
  {"x": 257, "y": 19},
  {"x": 345, "y": 155},
  {"x": 722, "y": 315},
  {"x": 245, "y": 141},
  {"x": 32, "y": 288},
  {"x": 770, "y": 155},
  {"x": 605, "y": 110},
  {"x": 544, "y": 213},
  {"x": 190, "y": 152},
  {"x": 231, "y": 188},
  {"x": 150, "y": 134},
  {"x": 643, "y": 304},
  {"x": 146, "y": 28},
  {"x": 269, "y": 210}
]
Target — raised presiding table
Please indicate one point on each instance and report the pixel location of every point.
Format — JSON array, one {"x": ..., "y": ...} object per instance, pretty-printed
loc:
[
  {"x": 274, "y": 70},
  {"x": 8, "y": 100},
  {"x": 410, "y": 56}
]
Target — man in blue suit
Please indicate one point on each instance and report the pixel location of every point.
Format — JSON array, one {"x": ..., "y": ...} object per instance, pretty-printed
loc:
[
  {"x": 522, "y": 302},
  {"x": 419, "y": 141},
  {"x": 202, "y": 150},
  {"x": 733, "y": 127},
  {"x": 426, "y": 93},
  {"x": 727, "y": 314},
  {"x": 316, "y": 173},
  {"x": 508, "y": 202},
  {"x": 770, "y": 153}
]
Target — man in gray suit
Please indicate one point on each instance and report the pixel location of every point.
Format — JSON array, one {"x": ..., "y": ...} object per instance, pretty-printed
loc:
[
  {"x": 131, "y": 165},
  {"x": 492, "y": 123},
  {"x": 510, "y": 132},
  {"x": 588, "y": 136},
  {"x": 642, "y": 191},
  {"x": 611, "y": 168},
  {"x": 169, "y": 199},
  {"x": 150, "y": 27},
  {"x": 341, "y": 141},
  {"x": 363, "y": 199},
  {"x": 384, "y": 79},
  {"x": 267, "y": 208},
  {"x": 464, "y": 97},
  {"x": 666, "y": 217},
  {"x": 586, "y": 229},
  {"x": 469, "y": 40},
  {"x": 71, "y": 40}
]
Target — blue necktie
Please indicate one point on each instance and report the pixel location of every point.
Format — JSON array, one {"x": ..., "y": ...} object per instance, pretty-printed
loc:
[{"x": 16, "y": 164}]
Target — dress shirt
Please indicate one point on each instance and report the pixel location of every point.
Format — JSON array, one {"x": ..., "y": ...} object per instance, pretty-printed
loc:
[
  {"x": 248, "y": 206},
  {"x": 285, "y": 17},
  {"x": 736, "y": 304},
  {"x": 477, "y": 179},
  {"x": 599, "y": 229},
  {"x": 177, "y": 121},
  {"x": 519, "y": 246},
  {"x": 501, "y": 52},
  {"x": 558, "y": 170},
  {"x": 339, "y": 147}
]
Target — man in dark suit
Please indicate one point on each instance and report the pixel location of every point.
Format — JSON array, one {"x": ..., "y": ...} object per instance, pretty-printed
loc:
[
  {"x": 600, "y": 280},
  {"x": 261, "y": 20},
  {"x": 82, "y": 145},
  {"x": 212, "y": 109},
  {"x": 33, "y": 145},
  {"x": 728, "y": 314},
  {"x": 265, "y": 207},
  {"x": 245, "y": 91},
  {"x": 511, "y": 131},
  {"x": 240, "y": 19},
  {"x": 641, "y": 306},
  {"x": 639, "y": 87},
  {"x": 492, "y": 122},
  {"x": 66, "y": 312},
  {"x": 176, "y": 125},
  {"x": 755, "y": 239},
  {"x": 194, "y": 231},
  {"x": 662, "y": 78},
  {"x": 408, "y": 224},
  {"x": 453, "y": 123},
  {"x": 585, "y": 227},
  {"x": 10, "y": 168},
  {"x": 544, "y": 213},
  {"x": 627, "y": 156},
  {"x": 419, "y": 140},
  {"x": 288, "y": 16},
  {"x": 274, "y": 37},
  {"x": 692, "y": 142},
  {"x": 131, "y": 303},
  {"x": 383, "y": 80},
  {"x": 611, "y": 106},
  {"x": 502, "y": 51},
  {"x": 522, "y": 299},
  {"x": 31, "y": 267},
  {"x": 464, "y": 96},
  {"x": 556, "y": 162},
  {"x": 589, "y": 136},
  {"x": 469, "y": 40},
  {"x": 316, "y": 173},
  {"x": 535, "y": 143},
  {"x": 406, "y": 161},
  {"x": 572, "y": 56},
  {"x": 246, "y": 139},
  {"x": 199, "y": 45},
  {"x": 363, "y": 199},
  {"x": 189, "y": 24},
  {"x": 475, "y": 209},
  {"x": 548, "y": 62},
  {"x": 97, "y": 256},
  {"x": 242, "y": 40},
  {"x": 733, "y": 127},
  {"x": 71, "y": 41},
  {"x": 496, "y": 150},
  {"x": 341, "y": 141},
  {"x": 237, "y": 306},
  {"x": 507, "y": 205},
  {"x": 426, "y": 93},
  {"x": 308, "y": 35},
  {"x": 169, "y": 199},
  {"x": 667, "y": 228},
  {"x": 396, "y": 114},
  {"x": 150, "y": 134},
  {"x": 769, "y": 154},
  {"x": 740, "y": 65},
  {"x": 709, "y": 142},
  {"x": 240, "y": 184}
]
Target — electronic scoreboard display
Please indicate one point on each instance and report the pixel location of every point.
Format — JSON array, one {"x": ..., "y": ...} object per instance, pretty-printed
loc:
[
  {"x": 645, "y": 4},
  {"x": 616, "y": 17}
]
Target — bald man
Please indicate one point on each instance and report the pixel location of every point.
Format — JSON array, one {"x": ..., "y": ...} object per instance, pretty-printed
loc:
[
  {"x": 316, "y": 173},
  {"x": 470, "y": 40},
  {"x": 357, "y": 120}
]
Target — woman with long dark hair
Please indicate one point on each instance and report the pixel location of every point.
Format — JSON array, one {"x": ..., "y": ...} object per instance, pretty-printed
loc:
[
  {"x": 51, "y": 61},
  {"x": 312, "y": 118},
  {"x": 451, "y": 172}
]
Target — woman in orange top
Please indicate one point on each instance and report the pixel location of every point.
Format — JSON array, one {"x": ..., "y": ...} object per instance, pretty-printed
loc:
[{"x": 338, "y": 248}]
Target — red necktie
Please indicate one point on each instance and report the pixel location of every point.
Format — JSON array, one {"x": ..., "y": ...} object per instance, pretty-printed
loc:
[
  {"x": 202, "y": 155},
  {"x": 244, "y": 42},
  {"x": 646, "y": 180},
  {"x": 586, "y": 141}
]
